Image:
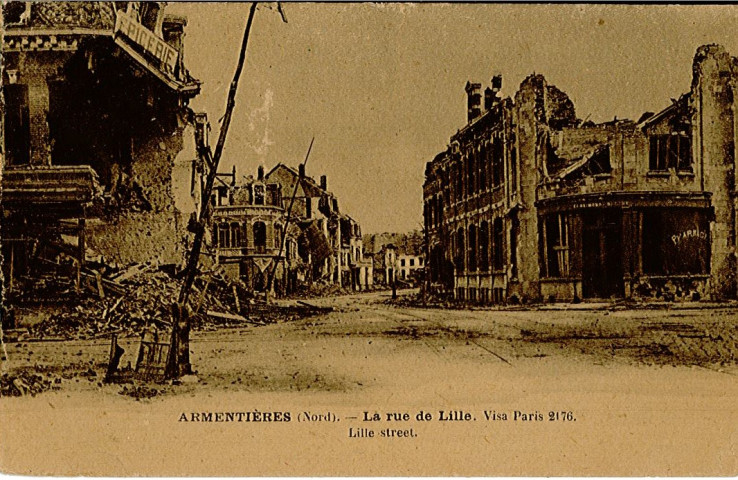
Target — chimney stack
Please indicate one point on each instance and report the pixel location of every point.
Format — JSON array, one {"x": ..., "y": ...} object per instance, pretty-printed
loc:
[
  {"x": 260, "y": 172},
  {"x": 301, "y": 170},
  {"x": 489, "y": 98},
  {"x": 324, "y": 182},
  {"x": 491, "y": 95},
  {"x": 474, "y": 100}
]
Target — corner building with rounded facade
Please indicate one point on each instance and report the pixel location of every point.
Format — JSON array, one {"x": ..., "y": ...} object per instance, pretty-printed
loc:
[{"x": 528, "y": 203}]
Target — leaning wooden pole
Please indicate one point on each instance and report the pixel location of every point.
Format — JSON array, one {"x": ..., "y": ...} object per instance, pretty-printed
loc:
[
  {"x": 288, "y": 215},
  {"x": 179, "y": 355}
]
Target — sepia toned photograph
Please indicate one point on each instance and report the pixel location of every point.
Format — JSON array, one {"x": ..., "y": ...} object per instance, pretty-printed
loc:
[{"x": 368, "y": 239}]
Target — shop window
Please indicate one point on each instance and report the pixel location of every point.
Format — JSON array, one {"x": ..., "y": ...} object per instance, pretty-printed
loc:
[
  {"x": 670, "y": 152},
  {"x": 484, "y": 247},
  {"x": 498, "y": 237},
  {"x": 17, "y": 129},
  {"x": 676, "y": 242},
  {"x": 557, "y": 245}
]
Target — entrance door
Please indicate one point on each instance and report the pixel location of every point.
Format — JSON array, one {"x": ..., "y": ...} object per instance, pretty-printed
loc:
[{"x": 602, "y": 254}]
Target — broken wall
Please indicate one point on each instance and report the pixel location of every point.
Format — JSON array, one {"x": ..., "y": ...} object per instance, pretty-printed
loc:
[
  {"x": 161, "y": 167},
  {"x": 713, "y": 94}
]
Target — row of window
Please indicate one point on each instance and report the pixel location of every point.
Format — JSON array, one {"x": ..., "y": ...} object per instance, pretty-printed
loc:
[
  {"x": 671, "y": 242},
  {"x": 475, "y": 173},
  {"x": 233, "y": 235},
  {"x": 480, "y": 170},
  {"x": 471, "y": 247},
  {"x": 668, "y": 152},
  {"x": 411, "y": 262}
]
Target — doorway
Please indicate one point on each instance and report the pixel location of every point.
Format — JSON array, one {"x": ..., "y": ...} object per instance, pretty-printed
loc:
[{"x": 602, "y": 254}]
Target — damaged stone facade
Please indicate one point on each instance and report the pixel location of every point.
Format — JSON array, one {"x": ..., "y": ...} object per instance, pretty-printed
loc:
[
  {"x": 529, "y": 203},
  {"x": 332, "y": 244},
  {"x": 99, "y": 142},
  {"x": 247, "y": 231},
  {"x": 321, "y": 244}
]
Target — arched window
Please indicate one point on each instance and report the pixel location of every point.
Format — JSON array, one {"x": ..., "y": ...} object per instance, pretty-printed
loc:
[
  {"x": 484, "y": 247},
  {"x": 460, "y": 250},
  {"x": 498, "y": 237},
  {"x": 472, "y": 248},
  {"x": 260, "y": 237}
]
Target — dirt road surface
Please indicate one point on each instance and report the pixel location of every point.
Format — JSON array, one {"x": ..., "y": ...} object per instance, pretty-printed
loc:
[{"x": 596, "y": 391}]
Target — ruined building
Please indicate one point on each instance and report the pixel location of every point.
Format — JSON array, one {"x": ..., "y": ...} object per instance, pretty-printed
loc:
[
  {"x": 247, "y": 232},
  {"x": 529, "y": 203},
  {"x": 321, "y": 243},
  {"x": 99, "y": 153}
]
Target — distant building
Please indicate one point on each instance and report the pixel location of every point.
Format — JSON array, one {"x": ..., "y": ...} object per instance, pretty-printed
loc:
[
  {"x": 321, "y": 244},
  {"x": 528, "y": 202},
  {"x": 389, "y": 263},
  {"x": 248, "y": 233},
  {"x": 409, "y": 265}
]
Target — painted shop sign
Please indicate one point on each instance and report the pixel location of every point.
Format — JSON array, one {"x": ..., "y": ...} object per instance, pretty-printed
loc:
[
  {"x": 693, "y": 233},
  {"x": 145, "y": 38},
  {"x": 560, "y": 203}
]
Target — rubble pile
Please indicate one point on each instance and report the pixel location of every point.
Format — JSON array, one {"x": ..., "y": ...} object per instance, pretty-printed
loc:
[
  {"x": 132, "y": 298},
  {"x": 26, "y": 383}
]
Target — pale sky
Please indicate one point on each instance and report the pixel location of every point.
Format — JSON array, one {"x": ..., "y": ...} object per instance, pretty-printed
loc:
[{"x": 381, "y": 86}]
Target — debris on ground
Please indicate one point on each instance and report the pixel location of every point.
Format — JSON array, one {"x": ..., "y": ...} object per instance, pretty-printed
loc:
[
  {"x": 320, "y": 290},
  {"x": 26, "y": 383},
  {"x": 140, "y": 391},
  {"x": 125, "y": 300}
]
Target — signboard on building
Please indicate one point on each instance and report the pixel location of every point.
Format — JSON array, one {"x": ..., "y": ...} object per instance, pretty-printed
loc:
[{"x": 127, "y": 25}]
